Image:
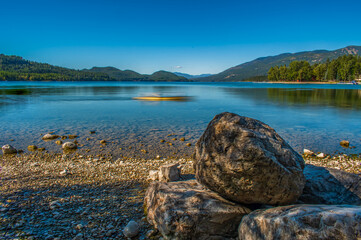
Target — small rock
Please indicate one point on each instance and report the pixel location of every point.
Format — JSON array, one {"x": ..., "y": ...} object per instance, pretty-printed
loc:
[
  {"x": 131, "y": 230},
  {"x": 79, "y": 226},
  {"x": 153, "y": 175},
  {"x": 92, "y": 132},
  {"x": 88, "y": 139},
  {"x": 32, "y": 148},
  {"x": 150, "y": 233},
  {"x": 345, "y": 144},
  {"x": 71, "y": 136},
  {"x": 174, "y": 139},
  {"x": 49, "y": 136},
  {"x": 308, "y": 152},
  {"x": 8, "y": 149},
  {"x": 54, "y": 204},
  {"x": 182, "y": 139},
  {"x": 58, "y": 142},
  {"x": 63, "y": 137},
  {"x": 78, "y": 237},
  {"x": 169, "y": 173},
  {"x": 41, "y": 149},
  {"x": 189, "y": 144},
  {"x": 321, "y": 155},
  {"x": 103, "y": 141},
  {"x": 64, "y": 172},
  {"x": 69, "y": 146}
]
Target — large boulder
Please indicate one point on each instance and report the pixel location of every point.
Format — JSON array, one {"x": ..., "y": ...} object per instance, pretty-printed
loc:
[
  {"x": 303, "y": 222},
  {"x": 186, "y": 210},
  {"x": 330, "y": 186},
  {"x": 246, "y": 161}
]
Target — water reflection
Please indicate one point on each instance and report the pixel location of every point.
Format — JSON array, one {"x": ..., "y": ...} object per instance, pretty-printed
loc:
[{"x": 340, "y": 98}]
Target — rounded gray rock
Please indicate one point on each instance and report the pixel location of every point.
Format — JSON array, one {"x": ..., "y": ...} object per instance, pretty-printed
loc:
[
  {"x": 69, "y": 146},
  {"x": 246, "y": 161},
  {"x": 131, "y": 230},
  {"x": 8, "y": 149}
]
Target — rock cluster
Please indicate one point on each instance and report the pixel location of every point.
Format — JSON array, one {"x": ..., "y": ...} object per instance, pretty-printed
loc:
[{"x": 242, "y": 165}]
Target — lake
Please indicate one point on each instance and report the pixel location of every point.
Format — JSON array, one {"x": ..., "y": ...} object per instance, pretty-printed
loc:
[{"x": 315, "y": 117}]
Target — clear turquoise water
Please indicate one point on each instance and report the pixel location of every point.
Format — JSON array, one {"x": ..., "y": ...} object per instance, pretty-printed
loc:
[{"x": 316, "y": 117}]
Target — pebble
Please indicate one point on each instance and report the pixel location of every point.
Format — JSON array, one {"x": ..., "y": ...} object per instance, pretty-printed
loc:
[
  {"x": 131, "y": 230},
  {"x": 32, "y": 148}
]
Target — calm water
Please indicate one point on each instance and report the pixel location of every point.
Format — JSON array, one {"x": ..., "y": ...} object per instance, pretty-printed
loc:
[{"x": 316, "y": 117}]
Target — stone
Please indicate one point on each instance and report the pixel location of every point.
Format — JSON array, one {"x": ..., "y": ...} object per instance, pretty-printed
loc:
[
  {"x": 246, "y": 161},
  {"x": 131, "y": 230},
  {"x": 330, "y": 186},
  {"x": 59, "y": 142},
  {"x": 79, "y": 236},
  {"x": 321, "y": 155},
  {"x": 49, "y": 136},
  {"x": 69, "y": 146},
  {"x": 345, "y": 144},
  {"x": 182, "y": 139},
  {"x": 303, "y": 222},
  {"x": 169, "y": 172},
  {"x": 8, "y": 149},
  {"x": 153, "y": 175},
  {"x": 32, "y": 148},
  {"x": 103, "y": 142},
  {"x": 308, "y": 152},
  {"x": 72, "y": 136},
  {"x": 187, "y": 210}
]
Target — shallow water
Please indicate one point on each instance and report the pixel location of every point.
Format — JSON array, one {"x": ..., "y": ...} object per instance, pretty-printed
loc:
[{"x": 316, "y": 117}]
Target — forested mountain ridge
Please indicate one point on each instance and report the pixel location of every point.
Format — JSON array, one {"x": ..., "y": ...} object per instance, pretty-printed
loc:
[
  {"x": 258, "y": 68},
  {"x": 15, "y": 68}
]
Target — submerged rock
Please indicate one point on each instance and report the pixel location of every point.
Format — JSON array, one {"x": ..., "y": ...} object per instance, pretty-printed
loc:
[
  {"x": 69, "y": 146},
  {"x": 303, "y": 222},
  {"x": 186, "y": 210},
  {"x": 32, "y": 148},
  {"x": 49, "y": 136},
  {"x": 8, "y": 149},
  {"x": 246, "y": 161},
  {"x": 345, "y": 144},
  {"x": 330, "y": 186}
]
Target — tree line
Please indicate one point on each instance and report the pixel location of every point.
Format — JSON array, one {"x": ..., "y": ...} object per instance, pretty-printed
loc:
[
  {"x": 344, "y": 68},
  {"x": 14, "y": 68}
]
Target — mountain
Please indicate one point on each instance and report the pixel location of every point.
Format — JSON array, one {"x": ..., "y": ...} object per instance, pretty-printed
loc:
[
  {"x": 129, "y": 75},
  {"x": 188, "y": 76},
  {"x": 15, "y": 68},
  {"x": 258, "y": 68},
  {"x": 116, "y": 73}
]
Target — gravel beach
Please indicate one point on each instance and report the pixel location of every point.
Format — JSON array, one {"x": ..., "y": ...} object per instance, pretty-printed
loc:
[{"x": 72, "y": 196}]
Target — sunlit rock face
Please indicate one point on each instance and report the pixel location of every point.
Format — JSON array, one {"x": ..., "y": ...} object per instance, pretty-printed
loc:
[{"x": 246, "y": 161}]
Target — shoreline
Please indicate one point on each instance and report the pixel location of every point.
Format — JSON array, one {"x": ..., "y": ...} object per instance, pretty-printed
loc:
[{"x": 59, "y": 196}]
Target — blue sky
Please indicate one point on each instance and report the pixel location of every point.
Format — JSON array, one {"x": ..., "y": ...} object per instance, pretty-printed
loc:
[{"x": 198, "y": 36}]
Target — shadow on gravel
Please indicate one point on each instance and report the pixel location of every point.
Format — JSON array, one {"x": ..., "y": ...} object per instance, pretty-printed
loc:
[{"x": 96, "y": 211}]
